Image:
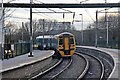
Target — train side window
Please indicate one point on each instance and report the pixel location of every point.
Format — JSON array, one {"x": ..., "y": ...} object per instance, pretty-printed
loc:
[
  {"x": 60, "y": 41},
  {"x": 71, "y": 41}
]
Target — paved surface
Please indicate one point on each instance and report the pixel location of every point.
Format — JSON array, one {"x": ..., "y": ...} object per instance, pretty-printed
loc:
[
  {"x": 114, "y": 53},
  {"x": 22, "y": 60}
]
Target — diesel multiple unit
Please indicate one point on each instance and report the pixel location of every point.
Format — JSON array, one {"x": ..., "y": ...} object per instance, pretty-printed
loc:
[{"x": 63, "y": 44}]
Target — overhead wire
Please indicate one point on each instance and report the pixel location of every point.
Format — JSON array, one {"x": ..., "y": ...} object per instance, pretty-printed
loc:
[
  {"x": 44, "y": 13},
  {"x": 69, "y": 10},
  {"x": 59, "y": 8},
  {"x": 54, "y": 10},
  {"x": 25, "y": 10},
  {"x": 86, "y": 10},
  {"x": 89, "y": 15},
  {"x": 8, "y": 15},
  {"x": 44, "y": 3},
  {"x": 38, "y": 14}
]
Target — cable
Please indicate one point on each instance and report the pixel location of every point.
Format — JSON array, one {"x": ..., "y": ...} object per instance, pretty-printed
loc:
[
  {"x": 86, "y": 9},
  {"x": 18, "y": 17},
  {"x": 66, "y": 10},
  {"x": 45, "y": 14},
  {"x": 8, "y": 10},
  {"x": 10, "y": 1},
  {"x": 10, "y": 13},
  {"x": 89, "y": 15},
  {"x": 83, "y": 1},
  {"x": 44, "y": 3},
  {"x": 40, "y": 14},
  {"x": 55, "y": 11}
]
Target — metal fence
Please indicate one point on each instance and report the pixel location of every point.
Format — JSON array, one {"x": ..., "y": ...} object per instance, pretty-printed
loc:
[
  {"x": 13, "y": 50},
  {"x": 102, "y": 43},
  {"x": 111, "y": 44},
  {"x": 21, "y": 48}
]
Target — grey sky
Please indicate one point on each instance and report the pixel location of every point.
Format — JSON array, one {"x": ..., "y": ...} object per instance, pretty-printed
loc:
[{"x": 88, "y": 14}]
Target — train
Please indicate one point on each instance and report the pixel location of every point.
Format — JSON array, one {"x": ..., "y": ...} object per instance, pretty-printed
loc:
[
  {"x": 44, "y": 42},
  {"x": 63, "y": 44}
]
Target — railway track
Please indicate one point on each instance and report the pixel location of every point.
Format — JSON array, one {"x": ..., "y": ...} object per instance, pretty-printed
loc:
[
  {"x": 93, "y": 65},
  {"x": 80, "y": 66},
  {"x": 105, "y": 59},
  {"x": 27, "y": 70},
  {"x": 75, "y": 72},
  {"x": 55, "y": 70},
  {"x": 43, "y": 73},
  {"x": 96, "y": 68},
  {"x": 65, "y": 68},
  {"x": 61, "y": 68}
]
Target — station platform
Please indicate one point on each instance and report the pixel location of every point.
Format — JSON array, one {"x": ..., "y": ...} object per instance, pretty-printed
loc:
[
  {"x": 114, "y": 53},
  {"x": 19, "y": 61}
]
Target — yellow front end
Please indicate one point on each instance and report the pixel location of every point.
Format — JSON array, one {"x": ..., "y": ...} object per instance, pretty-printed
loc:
[{"x": 67, "y": 49}]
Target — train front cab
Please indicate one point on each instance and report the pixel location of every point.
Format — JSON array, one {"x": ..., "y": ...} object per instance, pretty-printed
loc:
[{"x": 66, "y": 45}]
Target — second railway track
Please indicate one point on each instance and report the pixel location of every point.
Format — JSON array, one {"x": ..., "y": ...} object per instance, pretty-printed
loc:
[
  {"x": 74, "y": 68},
  {"x": 96, "y": 68}
]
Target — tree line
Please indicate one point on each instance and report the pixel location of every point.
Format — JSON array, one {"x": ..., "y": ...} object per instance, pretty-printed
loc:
[
  {"x": 40, "y": 25},
  {"x": 113, "y": 27},
  {"x": 53, "y": 26}
]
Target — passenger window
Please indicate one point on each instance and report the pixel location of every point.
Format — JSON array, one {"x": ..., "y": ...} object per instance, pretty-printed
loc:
[
  {"x": 60, "y": 41},
  {"x": 71, "y": 41}
]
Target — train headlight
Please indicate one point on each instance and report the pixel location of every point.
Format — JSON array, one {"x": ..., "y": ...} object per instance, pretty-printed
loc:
[
  {"x": 35, "y": 45},
  {"x": 6, "y": 51},
  {"x": 44, "y": 45},
  {"x": 9, "y": 50}
]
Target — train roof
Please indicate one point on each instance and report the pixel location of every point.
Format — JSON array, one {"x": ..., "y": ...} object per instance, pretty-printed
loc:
[
  {"x": 45, "y": 36},
  {"x": 64, "y": 33},
  {"x": 53, "y": 36}
]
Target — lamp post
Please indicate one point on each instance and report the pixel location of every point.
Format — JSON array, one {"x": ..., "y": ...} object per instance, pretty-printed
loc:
[
  {"x": 106, "y": 21},
  {"x": 31, "y": 41},
  {"x": 82, "y": 27},
  {"x": 96, "y": 34}
]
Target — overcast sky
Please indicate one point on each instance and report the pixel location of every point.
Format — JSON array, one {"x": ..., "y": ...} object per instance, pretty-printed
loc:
[{"x": 88, "y": 13}]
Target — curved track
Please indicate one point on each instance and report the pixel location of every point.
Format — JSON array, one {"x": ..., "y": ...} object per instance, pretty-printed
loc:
[
  {"x": 59, "y": 69},
  {"x": 80, "y": 66},
  {"x": 27, "y": 70},
  {"x": 66, "y": 69},
  {"x": 44, "y": 72},
  {"x": 103, "y": 58},
  {"x": 96, "y": 68},
  {"x": 83, "y": 66},
  {"x": 77, "y": 69}
]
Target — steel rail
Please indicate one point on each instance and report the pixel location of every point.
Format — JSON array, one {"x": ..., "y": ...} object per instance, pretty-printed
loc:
[
  {"x": 62, "y": 69},
  {"x": 102, "y": 65},
  {"x": 41, "y": 73},
  {"x": 86, "y": 68}
]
